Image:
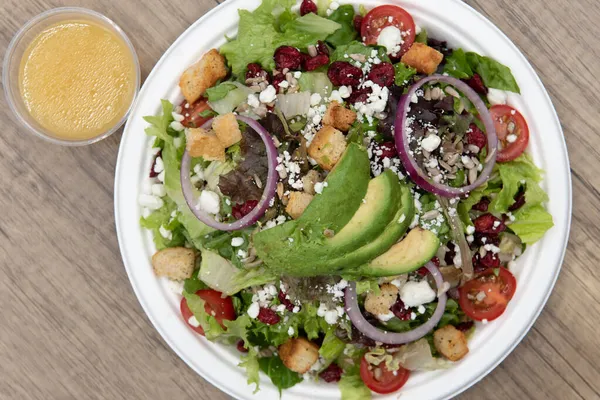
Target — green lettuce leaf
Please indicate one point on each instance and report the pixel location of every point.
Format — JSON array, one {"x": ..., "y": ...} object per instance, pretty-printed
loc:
[
  {"x": 493, "y": 74},
  {"x": 261, "y": 32},
  {"x": 422, "y": 36},
  {"x": 220, "y": 274},
  {"x": 514, "y": 174},
  {"x": 212, "y": 329},
  {"x": 353, "y": 387},
  {"x": 344, "y": 15},
  {"x": 281, "y": 376},
  {"x": 250, "y": 363},
  {"x": 315, "y": 82},
  {"x": 457, "y": 65},
  {"x": 194, "y": 230},
  {"x": 331, "y": 348},
  {"x": 220, "y": 91},
  {"x": 403, "y": 74},
  {"x": 531, "y": 223}
]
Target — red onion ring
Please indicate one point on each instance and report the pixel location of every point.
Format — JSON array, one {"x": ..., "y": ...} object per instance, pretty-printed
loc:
[
  {"x": 402, "y": 140},
  {"x": 359, "y": 321},
  {"x": 268, "y": 192}
]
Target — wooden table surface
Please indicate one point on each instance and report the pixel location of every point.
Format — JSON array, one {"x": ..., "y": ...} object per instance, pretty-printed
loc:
[{"x": 70, "y": 325}]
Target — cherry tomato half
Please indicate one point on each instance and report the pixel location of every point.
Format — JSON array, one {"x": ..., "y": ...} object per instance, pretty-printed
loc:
[
  {"x": 382, "y": 381},
  {"x": 512, "y": 131},
  {"x": 191, "y": 113},
  {"x": 384, "y": 16},
  {"x": 217, "y": 306},
  {"x": 498, "y": 285}
]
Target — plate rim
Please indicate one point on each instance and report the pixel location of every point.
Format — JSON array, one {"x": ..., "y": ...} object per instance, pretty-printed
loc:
[{"x": 455, "y": 3}]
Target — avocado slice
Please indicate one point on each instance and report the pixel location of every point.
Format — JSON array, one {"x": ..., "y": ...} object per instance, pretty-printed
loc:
[
  {"x": 346, "y": 187},
  {"x": 411, "y": 253},
  {"x": 349, "y": 263}
]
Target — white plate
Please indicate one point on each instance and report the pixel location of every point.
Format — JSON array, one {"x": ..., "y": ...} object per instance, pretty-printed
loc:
[{"x": 537, "y": 270}]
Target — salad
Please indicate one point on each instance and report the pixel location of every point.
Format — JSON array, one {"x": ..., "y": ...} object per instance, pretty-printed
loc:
[{"x": 341, "y": 196}]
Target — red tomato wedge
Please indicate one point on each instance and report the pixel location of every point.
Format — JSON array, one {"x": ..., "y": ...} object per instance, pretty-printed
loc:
[
  {"x": 384, "y": 16},
  {"x": 215, "y": 305},
  {"x": 512, "y": 131},
  {"x": 191, "y": 113},
  {"x": 487, "y": 295},
  {"x": 380, "y": 380}
]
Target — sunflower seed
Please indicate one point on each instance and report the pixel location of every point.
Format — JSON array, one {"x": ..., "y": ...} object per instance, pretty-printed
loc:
[
  {"x": 430, "y": 215},
  {"x": 475, "y": 160},
  {"x": 437, "y": 93},
  {"x": 446, "y": 166},
  {"x": 433, "y": 172},
  {"x": 358, "y": 57},
  {"x": 282, "y": 173},
  {"x": 312, "y": 50},
  {"x": 426, "y": 154},
  {"x": 453, "y": 158},
  {"x": 257, "y": 181},
  {"x": 473, "y": 149},
  {"x": 427, "y": 94},
  {"x": 472, "y": 175},
  {"x": 280, "y": 190},
  {"x": 285, "y": 71},
  {"x": 482, "y": 252}
]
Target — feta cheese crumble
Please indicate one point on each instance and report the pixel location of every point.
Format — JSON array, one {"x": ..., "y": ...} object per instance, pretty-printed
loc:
[
  {"x": 209, "y": 202},
  {"x": 414, "y": 294},
  {"x": 391, "y": 38}
]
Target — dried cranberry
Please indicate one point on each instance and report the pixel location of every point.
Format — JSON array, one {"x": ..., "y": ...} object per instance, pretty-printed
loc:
[
  {"x": 315, "y": 62},
  {"x": 358, "y": 19},
  {"x": 519, "y": 200},
  {"x": 481, "y": 239},
  {"x": 153, "y": 173},
  {"x": 241, "y": 210},
  {"x": 255, "y": 71},
  {"x": 268, "y": 316},
  {"x": 359, "y": 95},
  {"x": 477, "y": 84},
  {"x": 322, "y": 48},
  {"x": 483, "y": 205},
  {"x": 465, "y": 326},
  {"x": 287, "y": 57},
  {"x": 490, "y": 260},
  {"x": 476, "y": 137},
  {"x": 333, "y": 373},
  {"x": 277, "y": 79},
  {"x": 450, "y": 254},
  {"x": 343, "y": 73},
  {"x": 240, "y": 346},
  {"x": 487, "y": 223},
  {"x": 436, "y": 261},
  {"x": 388, "y": 149},
  {"x": 382, "y": 74},
  {"x": 307, "y": 7},
  {"x": 285, "y": 301},
  {"x": 400, "y": 310}
]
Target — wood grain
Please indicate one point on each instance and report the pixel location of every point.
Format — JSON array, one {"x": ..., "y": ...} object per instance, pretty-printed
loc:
[{"x": 70, "y": 325}]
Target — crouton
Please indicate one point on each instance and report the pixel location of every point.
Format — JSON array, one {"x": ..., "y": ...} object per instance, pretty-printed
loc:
[
  {"x": 175, "y": 263},
  {"x": 423, "y": 58},
  {"x": 309, "y": 180},
  {"x": 299, "y": 354},
  {"x": 205, "y": 144},
  {"x": 202, "y": 75},
  {"x": 227, "y": 129},
  {"x": 339, "y": 116},
  {"x": 298, "y": 201},
  {"x": 380, "y": 304},
  {"x": 327, "y": 147},
  {"x": 450, "y": 342}
]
